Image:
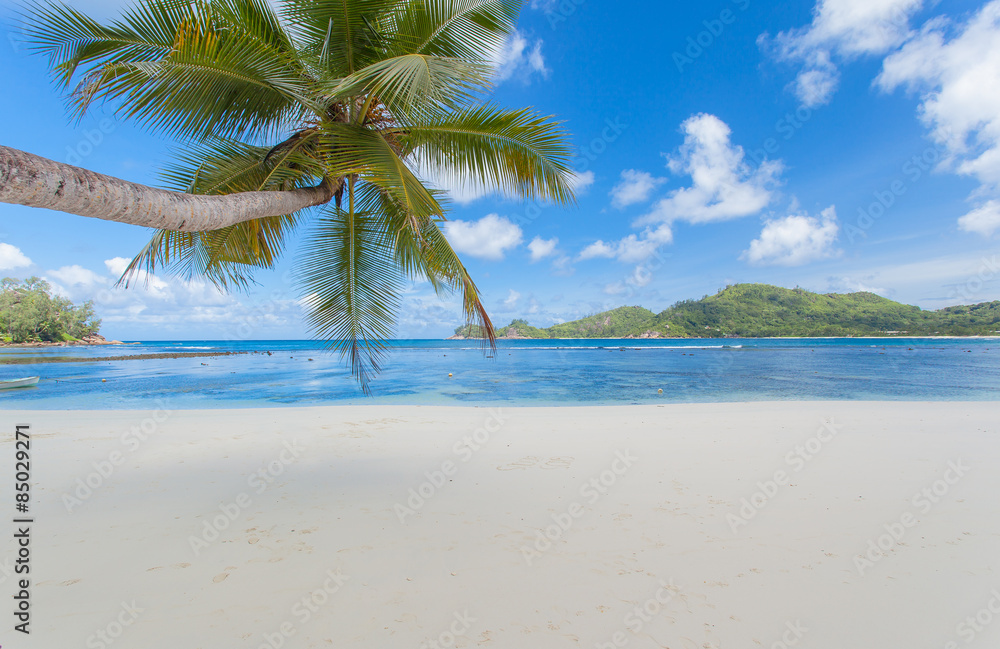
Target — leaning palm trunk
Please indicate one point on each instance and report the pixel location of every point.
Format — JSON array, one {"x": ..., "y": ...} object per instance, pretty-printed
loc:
[{"x": 28, "y": 179}]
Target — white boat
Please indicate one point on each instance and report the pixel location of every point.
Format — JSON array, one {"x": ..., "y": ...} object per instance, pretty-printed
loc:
[{"x": 19, "y": 383}]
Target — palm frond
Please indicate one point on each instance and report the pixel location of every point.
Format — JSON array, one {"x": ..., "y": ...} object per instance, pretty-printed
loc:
[
  {"x": 351, "y": 286},
  {"x": 228, "y": 258},
  {"x": 471, "y": 30},
  {"x": 413, "y": 86},
  {"x": 516, "y": 152},
  {"x": 344, "y": 36},
  {"x": 190, "y": 69},
  {"x": 223, "y": 166},
  {"x": 423, "y": 252},
  {"x": 350, "y": 150}
]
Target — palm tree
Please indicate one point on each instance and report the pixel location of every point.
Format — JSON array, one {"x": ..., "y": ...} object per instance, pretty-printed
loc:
[{"x": 332, "y": 103}]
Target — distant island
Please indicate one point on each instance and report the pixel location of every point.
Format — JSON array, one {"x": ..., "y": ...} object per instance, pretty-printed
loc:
[
  {"x": 765, "y": 311},
  {"x": 30, "y": 315}
]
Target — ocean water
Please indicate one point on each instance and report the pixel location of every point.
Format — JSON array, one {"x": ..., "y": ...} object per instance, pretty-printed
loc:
[{"x": 523, "y": 372}]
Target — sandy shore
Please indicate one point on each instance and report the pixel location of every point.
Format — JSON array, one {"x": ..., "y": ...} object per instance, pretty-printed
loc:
[{"x": 683, "y": 526}]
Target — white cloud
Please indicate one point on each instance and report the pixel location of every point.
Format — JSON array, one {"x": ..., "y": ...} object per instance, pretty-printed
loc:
[
  {"x": 968, "y": 277},
  {"x": 151, "y": 284},
  {"x": 75, "y": 277},
  {"x": 11, "y": 257},
  {"x": 815, "y": 85},
  {"x": 541, "y": 248},
  {"x": 984, "y": 219},
  {"x": 635, "y": 187},
  {"x": 616, "y": 288},
  {"x": 596, "y": 250},
  {"x": 170, "y": 303},
  {"x": 844, "y": 28},
  {"x": 117, "y": 265},
  {"x": 723, "y": 185},
  {"x": 632, "y": 249},
  {"x": 563, "y": 266},
  {"x": 960, "y": 100},
  {"x": 640, "y": 277},
  {"x": 512, "y": 299},
  {"x": 795, "y": 240},
  {"x": 488, "y": 238},
  {"x": 636, "y": 248},
  {"x": 520, "y": 59},
  {"x": 581, "y": 181},
  {"x": 849, "y": 285}
]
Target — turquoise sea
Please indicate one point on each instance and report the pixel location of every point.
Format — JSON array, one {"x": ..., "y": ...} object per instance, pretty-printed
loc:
[{"x": 523, "y": 372}]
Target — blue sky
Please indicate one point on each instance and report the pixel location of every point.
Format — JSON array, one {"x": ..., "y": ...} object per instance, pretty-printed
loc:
[{"x": 841, "y": 145}]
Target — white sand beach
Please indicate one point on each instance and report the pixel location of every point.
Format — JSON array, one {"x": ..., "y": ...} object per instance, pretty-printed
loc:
[{"x": 537, "y": 527}]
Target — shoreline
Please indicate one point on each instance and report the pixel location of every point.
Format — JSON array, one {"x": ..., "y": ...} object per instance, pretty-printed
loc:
[
  {"x": 63, "y": 343},
  {"x": 338, "y": 408},
  {"x": 725, "y": 523}
]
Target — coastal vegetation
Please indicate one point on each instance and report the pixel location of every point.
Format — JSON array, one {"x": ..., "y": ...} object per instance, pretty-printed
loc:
[
  {"x": 29, "y": 312},
  {"x": 346, "y": 107},
  {"x": 764, "y": 311}
]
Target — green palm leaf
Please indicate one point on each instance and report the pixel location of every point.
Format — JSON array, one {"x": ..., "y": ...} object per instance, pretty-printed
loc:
[
  {"x": 351, "y": 286},
  {"x": 516, "y": 152},
  {"x": 355, "y": 150},
  {"x": 423, "y": 252},
  {"x": 188, "y": 69},
  {"x": 464, "y": 29}
]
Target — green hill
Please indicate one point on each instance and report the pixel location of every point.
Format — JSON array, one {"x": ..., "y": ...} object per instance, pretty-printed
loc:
[
  {"x": 521, "y": 329},
  {"x": 764, "y": 311},
  {"x": 618, "y": 323}
]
